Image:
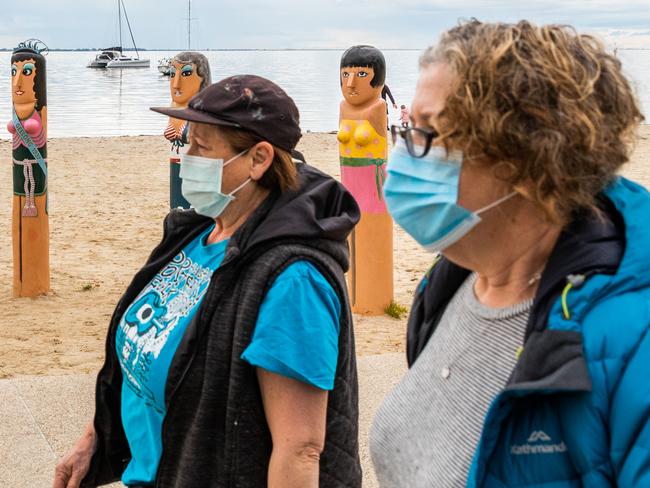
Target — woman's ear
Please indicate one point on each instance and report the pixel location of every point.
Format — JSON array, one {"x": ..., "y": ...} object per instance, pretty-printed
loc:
[{"x": 262, "y": 155}]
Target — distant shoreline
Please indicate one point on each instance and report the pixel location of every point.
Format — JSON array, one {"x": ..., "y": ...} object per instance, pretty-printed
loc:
[{"x": 91, "y": 49}]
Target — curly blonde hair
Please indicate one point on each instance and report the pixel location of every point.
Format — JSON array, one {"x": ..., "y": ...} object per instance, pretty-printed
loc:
[{"x": 548, "y": 107}]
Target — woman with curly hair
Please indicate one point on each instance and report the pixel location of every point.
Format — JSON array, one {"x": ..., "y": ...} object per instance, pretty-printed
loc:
[{"x": 528, "y": 341}]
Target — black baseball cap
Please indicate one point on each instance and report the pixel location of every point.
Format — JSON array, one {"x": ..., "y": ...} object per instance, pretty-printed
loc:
[{"x": 245, "y": 102}]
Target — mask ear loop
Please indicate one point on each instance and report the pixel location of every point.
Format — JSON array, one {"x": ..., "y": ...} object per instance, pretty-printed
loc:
[
  {"x": 232, "y": 193},
  {"x": 235, "y": 157},
  {"x": 494, "y": 204}
]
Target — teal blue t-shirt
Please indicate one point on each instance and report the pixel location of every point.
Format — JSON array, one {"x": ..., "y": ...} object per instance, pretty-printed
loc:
[{"x": 296, "y": 335}]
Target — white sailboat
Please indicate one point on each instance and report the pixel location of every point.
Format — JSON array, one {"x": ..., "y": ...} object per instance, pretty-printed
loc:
[
  {"x": 128, "y": 62},
  {"x": 105, "y": 56},
  {"x": 123, "y": 60}
]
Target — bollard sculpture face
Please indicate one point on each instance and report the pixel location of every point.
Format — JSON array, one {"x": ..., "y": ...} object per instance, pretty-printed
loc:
[
  {"x": 362, "y": 75},
  {"x": 190, "y": 73},
  {"x": 23, "y": 74},
  {"x": 185, "y": 82},
  {"x": 356, "y": 85},
  {"x": 27, "y": 82}
]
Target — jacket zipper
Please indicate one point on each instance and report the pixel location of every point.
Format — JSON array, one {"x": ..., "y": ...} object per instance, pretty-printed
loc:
[{"x": 572, "y": 281}]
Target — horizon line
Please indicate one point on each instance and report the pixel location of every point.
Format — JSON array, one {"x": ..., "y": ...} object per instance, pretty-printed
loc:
[
  {"x": 84, "y": 49},
  {"x": 93, "y": 49}
]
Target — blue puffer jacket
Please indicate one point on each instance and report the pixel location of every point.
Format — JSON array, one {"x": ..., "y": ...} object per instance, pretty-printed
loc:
[{"x": 576, "y": 410}]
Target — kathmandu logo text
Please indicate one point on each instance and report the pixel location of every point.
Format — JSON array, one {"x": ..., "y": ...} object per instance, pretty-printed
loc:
[{"x": 538, "y": 443}]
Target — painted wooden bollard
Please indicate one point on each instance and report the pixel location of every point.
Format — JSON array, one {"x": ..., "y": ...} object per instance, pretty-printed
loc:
[
  {"x": 28, "y": 126},
  {"x": 362, "y": 151},
  {"x": 189, "y": 74}
]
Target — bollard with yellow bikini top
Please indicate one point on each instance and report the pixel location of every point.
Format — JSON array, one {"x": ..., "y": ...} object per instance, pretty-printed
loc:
[
  {"x": 28, "y": 127},
  {"x": 362, "y": 153},
  {"x": 189, "y": 74}
]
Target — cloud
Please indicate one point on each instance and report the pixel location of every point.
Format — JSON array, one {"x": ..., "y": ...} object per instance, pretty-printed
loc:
[{"x": 297, "y": 24}]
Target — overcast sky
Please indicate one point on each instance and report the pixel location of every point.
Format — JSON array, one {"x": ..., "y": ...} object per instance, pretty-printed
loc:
[{"x": 277, "y": 24}]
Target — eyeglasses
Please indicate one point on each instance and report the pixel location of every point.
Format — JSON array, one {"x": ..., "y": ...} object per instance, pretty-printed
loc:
[{"x": 418, "y": 141}]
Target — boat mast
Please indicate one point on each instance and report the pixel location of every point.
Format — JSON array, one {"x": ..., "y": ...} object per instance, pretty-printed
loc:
[
  {"x": 119, "y": 19},
  {"x": 130, "y": 31},
  {"x": 189, "y": 24}
]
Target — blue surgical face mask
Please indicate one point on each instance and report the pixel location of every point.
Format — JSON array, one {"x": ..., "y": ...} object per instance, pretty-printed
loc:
[
  {"x": 201, "y": 185},
  {"x": 422, "y": 193}
]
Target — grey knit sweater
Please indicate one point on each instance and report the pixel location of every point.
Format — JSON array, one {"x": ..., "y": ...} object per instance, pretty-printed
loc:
[{"x": 427, "y": 428}]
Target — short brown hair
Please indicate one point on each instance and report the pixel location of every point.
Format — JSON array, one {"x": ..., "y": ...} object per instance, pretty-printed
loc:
[
  {"x": 546, "y": 105},
  {"x": 282, "y": 174}
]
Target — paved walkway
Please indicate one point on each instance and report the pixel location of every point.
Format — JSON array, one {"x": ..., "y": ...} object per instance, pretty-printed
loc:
[{"x": 42, "y": 416}]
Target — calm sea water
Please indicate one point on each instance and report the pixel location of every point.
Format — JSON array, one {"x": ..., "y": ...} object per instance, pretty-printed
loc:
[{"x": 91, "y": 102}]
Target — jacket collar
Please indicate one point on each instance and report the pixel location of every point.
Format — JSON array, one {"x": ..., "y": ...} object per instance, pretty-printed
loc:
[{"x": 553, "y": 358}]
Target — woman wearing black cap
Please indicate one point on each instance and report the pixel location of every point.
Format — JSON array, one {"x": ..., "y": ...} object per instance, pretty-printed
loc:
[{"x": 230, "y": 357}]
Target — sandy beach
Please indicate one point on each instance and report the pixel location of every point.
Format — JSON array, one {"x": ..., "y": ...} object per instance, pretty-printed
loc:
[{"x": 108, "y": 198}]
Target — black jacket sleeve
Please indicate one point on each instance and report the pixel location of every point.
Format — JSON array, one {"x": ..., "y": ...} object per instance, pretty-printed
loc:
[{"x": 386, "y": 92}]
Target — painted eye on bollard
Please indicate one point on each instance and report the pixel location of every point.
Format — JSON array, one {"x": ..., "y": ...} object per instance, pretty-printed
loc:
[{"x": 28, "y": 69}]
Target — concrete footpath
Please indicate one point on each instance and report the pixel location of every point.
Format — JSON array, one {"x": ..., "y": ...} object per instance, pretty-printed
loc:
[{"x": 42, "y": 416}]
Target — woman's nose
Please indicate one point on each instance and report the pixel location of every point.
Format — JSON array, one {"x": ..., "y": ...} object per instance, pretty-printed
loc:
[
  {"x": 351, "y": 80},
  {"x": 176, "y": 82},
  {"x": 17, "y": 79}
]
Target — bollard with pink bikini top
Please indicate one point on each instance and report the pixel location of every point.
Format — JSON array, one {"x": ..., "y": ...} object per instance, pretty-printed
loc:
[{"x": 28, "y": 127}]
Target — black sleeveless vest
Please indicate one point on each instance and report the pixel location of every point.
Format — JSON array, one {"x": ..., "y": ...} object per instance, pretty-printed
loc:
[{"x": 215, "y": 432}]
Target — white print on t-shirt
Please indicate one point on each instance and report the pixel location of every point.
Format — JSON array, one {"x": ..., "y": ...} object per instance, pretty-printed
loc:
[{"x": 148, "y": 323}]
